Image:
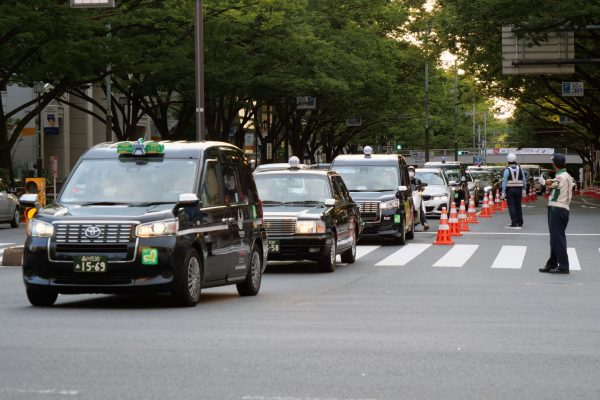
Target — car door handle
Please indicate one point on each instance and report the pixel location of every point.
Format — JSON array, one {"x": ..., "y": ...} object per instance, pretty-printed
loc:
[{"x": 228, "y": 221}]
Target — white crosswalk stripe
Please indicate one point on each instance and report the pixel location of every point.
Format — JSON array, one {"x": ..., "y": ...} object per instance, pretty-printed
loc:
[
  {"x": 457, "y": 256},
  {"x": 362, "y": 251},
  {"x": 573, "y": 259},
  {"x": 510, "y": 257},
  {"x": 405, "y": 255}
]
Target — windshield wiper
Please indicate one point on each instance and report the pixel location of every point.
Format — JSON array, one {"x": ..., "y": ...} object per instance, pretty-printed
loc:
[
  {"x": 151, "y": 203},
  {"x": 305, "y": 202},
  {"x": 272, "y": 203},
  {"x": 104, "y": 203}
]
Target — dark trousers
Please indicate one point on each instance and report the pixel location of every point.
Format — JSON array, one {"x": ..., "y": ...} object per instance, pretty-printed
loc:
[
  {"x": 558, "y": 218},
  {"x": 513, "y": 197},
  {"x": 422, "y": 214}
]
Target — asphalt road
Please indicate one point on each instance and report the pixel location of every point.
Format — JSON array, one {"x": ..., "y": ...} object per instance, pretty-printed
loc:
[{"x": 481, "y": 324}]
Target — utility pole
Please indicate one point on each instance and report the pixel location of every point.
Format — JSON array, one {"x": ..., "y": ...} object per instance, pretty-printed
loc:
[
  {"x": 199, "y": 43},
  {"x": 426, "y": 110},
  {"x": 108, "y": 125},
  {"x": 455, "y": 112}
]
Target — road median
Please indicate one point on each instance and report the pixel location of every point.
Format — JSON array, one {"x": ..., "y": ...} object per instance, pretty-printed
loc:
[{"x": 12, "y": 257}]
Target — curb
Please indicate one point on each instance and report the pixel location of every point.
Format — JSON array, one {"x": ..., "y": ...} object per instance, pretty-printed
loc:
[{"x": 12, "y": 257}]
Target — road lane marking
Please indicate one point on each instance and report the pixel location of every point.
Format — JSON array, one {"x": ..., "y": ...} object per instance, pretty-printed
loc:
[
  {"x": 5, "y": 244},
  {"x": 457, "y": 256},
  {"x": 362, "y": 251},
  {"x": 405, "y": 255},
  {"x": 573, "y": 259},
  {"x": 510, "y": 257}
]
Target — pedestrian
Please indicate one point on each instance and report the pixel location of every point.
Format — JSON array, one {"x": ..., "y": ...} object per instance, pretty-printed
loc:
[
  {"x": 417, "y": 187},
  {"x": 561, "y": 191},
  {"x": 514, "y": 185}
]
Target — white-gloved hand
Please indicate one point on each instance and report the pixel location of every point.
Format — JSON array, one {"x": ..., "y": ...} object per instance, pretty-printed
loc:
[
  {"x": 524, "y": 193},
  {"x": 542, "y": 181},
  {"x": 503, "y": 196}
]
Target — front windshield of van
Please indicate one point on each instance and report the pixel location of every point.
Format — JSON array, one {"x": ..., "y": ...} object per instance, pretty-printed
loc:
[
  {"x": 130, "y": 180},
  {"x": 369, "y": 178}
]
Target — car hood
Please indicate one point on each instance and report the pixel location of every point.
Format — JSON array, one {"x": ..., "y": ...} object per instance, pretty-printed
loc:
[
  {"x": 73, "y": 211},
  {"x": 306, "y": 212},
  {"x": 373, "y": 196},
  {"x": 433, "y": 190}
]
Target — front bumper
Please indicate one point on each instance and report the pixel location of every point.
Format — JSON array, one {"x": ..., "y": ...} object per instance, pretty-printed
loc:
[
  {"x": 297, "y": 248},
  {"x": 128, "y": 275},
  {"x": 386, "y": 226},
  {"x": 434, "y": 206}
]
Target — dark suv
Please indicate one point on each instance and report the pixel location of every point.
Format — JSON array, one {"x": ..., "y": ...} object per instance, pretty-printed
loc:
[
  {"x": 154, "y": 216},
  {"x": 380, "y": 185},
  {"x": 309, "y": 215}
]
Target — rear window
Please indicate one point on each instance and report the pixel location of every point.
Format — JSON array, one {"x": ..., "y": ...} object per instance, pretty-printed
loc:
[{"x": 369, "y": 178}]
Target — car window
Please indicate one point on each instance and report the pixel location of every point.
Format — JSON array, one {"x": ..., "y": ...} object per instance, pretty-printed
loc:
[
  {"x": 130, "y": 180},
  {"x": 290, "y": 188},
  {"x": 369, "y": 178},
  {"x": 337, "y": 189},
  {"x": 431, "y": 178},
  {"x": 343, "y": 188},
  {"x": 211, "y": 187},
  {"x": 231, "y": 184}
]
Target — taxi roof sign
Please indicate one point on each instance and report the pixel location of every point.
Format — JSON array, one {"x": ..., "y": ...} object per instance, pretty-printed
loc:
[
  {"x": 140, "y": 148},
  {"x": 294, "y": 162},
  {"x": 368, "y": 151}
]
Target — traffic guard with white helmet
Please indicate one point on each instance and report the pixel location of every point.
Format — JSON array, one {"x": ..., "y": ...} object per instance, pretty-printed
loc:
[{"x": 514, "y": 184}]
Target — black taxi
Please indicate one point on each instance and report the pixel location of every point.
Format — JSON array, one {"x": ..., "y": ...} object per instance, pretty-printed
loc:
[
  {"x": 308, "y": 215},
  {"x": 152, "y": 216},
  {"x": 381, "y": 186}
]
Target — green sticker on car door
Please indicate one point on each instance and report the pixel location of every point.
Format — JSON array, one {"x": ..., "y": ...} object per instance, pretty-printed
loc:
[{"x": 149, "y": 256}]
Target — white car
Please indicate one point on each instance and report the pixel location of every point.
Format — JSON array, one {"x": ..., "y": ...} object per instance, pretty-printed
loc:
[{"x": 437, "y": 193}]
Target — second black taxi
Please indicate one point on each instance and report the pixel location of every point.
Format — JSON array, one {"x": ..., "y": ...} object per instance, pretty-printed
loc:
[{"x": 308, "y": 215}]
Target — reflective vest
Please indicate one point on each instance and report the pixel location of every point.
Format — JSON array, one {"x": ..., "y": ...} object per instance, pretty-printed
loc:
[{"x": 515, "y": 177}]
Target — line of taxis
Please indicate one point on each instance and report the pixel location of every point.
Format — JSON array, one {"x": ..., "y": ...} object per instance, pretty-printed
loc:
[{"x": 177, "y": 217}]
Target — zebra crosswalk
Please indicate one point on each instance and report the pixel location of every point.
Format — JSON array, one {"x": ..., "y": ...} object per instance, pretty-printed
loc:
[{"x": 507, "y": 257}]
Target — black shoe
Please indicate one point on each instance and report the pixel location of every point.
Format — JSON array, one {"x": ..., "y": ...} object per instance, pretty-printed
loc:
[
  {"x": 545, "y": 269},
  {"x": 425, "y": 227},
  {"x": 558, "y": 271}
]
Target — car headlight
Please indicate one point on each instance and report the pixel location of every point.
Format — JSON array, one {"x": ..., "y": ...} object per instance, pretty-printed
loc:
[
  {"x": 440, "y": 197},
  {"x": 306, "y": 227},
  {"x": 157, "y": 228},
  {"x": 389, "y": 205},
  {"x": 487, "y": 189},
  {"x": 39, "y": 228}
]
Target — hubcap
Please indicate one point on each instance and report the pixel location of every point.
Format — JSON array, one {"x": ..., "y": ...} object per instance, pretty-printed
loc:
[
  {"x": 255, "y": 269},
  {"x": 332, "y": 255},
  {"x": 353, "y": 244},
  {"x": 194, "y": 278},
  {"x": 16, "y": 216}
]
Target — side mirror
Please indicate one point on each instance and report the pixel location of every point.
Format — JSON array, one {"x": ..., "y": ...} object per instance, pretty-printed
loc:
[
  {"x": 29, "y": 200},
  {"x": 329, "y": 202},
  {"x": 188, "y": 198}
]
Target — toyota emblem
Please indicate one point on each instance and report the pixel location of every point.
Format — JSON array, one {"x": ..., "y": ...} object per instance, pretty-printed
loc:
[{"x": 92, "y": 232}]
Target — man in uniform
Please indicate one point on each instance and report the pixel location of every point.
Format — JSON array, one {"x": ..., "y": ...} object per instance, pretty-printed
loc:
[
  {"x": 514, "y": 184},
  {"x": 561, "y": 190},
  {"x": 417, "y": 187}
]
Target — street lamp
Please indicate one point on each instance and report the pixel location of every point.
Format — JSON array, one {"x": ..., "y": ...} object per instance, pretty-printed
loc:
[
  {"x": 102, "y": 4},
  {"x": 38, "y": 88}
]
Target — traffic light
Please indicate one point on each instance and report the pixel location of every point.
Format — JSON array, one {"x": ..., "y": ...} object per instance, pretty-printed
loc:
[
  {"x": 398, "y": 146},
  {"x": 460, "y": 153}
]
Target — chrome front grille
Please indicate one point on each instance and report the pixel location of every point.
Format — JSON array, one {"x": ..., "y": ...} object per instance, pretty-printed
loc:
[
  {"x": 369, "y": 211},
  {"x": 109, "y": 233},
  {"x": 280, "y": 227}
]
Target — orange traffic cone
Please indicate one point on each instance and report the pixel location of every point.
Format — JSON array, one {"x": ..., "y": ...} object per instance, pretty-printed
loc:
[
  {"x": 491, "y": 206},
  {"x": 497, "y": 202},
  {"x": 532, "y": 198},
  {"x": 485, "y": 208},
  {"x": 525, "y": 198},
  {"x": 504, "y": 204},
  {"x": 472, "y": 214},
  {"x": 443, "y": 234},
  {"x": 463, "y": 224},
  {"x": 453, "y": 221}
]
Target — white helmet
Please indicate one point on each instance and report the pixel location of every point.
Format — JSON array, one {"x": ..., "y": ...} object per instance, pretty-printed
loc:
[{"x": 511, "y": 158}]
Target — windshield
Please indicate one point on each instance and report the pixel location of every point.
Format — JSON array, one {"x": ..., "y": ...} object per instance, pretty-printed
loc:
[
  {"x": 452, "y": 174},
  {"x": 485, "y": 178},
  {"x": 130, "y": 180},
  {"x": 369, "y": 178},
  {"x": 291, "y": 188},
  {"x": 431, "y": 178}
]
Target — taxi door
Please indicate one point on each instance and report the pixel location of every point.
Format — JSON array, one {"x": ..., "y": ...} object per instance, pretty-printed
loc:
[
  {"x": 341, "y": 213},
  {"x": 215, "y": 220}
]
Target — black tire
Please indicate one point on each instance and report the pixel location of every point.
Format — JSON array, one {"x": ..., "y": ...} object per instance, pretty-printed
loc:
[
  {"x": 327, "y": 263},
  {"x": 189, "y": 286},
  {"x": 411, "y": 234},
  {"x": 401, "y": 240},
  {"x": 14, "y": 222},
  {"x": 251, "y": 284},
  {"x": 349, "y": 256},
  {"x": 41, "y": 297}
]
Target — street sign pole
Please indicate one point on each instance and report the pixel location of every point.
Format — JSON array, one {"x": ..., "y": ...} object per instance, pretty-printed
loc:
[{"x": 199, "y": 56}]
